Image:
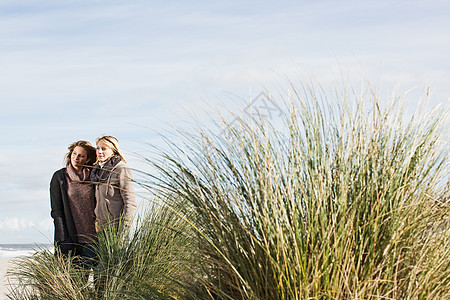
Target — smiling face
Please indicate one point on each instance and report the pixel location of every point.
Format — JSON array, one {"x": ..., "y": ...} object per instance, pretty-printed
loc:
[
  {"x": 78, "y": 158},
  {"x": 104, "y": 152}
]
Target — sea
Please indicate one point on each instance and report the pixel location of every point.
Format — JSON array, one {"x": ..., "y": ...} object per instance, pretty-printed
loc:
[{"x": 9, "y": 251}]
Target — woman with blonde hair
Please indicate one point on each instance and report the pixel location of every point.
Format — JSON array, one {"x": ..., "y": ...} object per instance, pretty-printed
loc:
[
  {"x": 114, "y": 190},
  {"x": 72, "y": 199}
]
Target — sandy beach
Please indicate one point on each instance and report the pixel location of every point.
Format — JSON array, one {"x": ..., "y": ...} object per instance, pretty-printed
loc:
[{"x": 4, "y": 264}]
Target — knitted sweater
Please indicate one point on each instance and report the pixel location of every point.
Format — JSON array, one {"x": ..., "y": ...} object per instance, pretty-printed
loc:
[{"x": 82, "y": 203}]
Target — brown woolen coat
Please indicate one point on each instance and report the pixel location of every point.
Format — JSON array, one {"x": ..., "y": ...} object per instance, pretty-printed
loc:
[{"x": 115, "y": 197}]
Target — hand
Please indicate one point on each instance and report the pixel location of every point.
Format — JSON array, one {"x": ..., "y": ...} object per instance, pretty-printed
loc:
[{"x": 65, "y": 248}]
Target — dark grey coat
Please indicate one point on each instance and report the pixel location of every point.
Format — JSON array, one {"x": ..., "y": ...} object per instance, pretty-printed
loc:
[{"x": 65, "y": 231}]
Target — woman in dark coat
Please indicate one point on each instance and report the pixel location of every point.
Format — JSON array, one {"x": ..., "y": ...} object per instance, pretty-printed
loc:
[{"x": 72, "y": 198}]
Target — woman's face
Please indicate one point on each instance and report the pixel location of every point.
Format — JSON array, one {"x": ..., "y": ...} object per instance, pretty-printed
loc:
[
  {"x": 104, "y": 152},
  {"x": 78, "y": 158}
]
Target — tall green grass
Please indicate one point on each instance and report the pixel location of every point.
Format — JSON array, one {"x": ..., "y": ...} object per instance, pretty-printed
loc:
[
  {"x": 349, "y": 200},
  {"x": 145, "y": 263}
]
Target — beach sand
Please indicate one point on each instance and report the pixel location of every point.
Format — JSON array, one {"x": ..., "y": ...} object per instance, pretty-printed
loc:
[{"x": 4, "y": 264}]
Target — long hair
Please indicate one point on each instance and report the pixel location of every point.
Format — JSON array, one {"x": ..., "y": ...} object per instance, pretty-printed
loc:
[
  {"x": 112, "y": 143},
  {"x": 90, "y": 150}
]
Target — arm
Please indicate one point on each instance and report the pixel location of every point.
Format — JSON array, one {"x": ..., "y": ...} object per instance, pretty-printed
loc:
[
  {"x": 127, "y": 194},
  {"x": 57, "y": 211}
]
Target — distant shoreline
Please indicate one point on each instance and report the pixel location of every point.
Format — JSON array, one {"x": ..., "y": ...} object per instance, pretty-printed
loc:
[
  {"x": 10, "y": 251},
  {"x": 17, "y": 250},
  {"x": 23, "y": 245}
]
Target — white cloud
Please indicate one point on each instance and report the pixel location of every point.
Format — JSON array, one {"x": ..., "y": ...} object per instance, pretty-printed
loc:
[
  {"x": 20, "y": 224},
  {"x": 15, "y": 224},
  {"x": 75, "y": 70},
  {"x": 21, "y": 230}
]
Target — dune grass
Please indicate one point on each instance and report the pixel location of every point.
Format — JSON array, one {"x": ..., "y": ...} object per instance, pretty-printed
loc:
[
  {"x": 46, "y": 276},
  {"x": 349, "y": 201},
  {"x": 138, "y": 264}
]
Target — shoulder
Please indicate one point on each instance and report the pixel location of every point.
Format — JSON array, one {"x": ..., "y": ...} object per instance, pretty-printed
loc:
[
  {"x": 59, "y": 173},
  {"x": 122, "y": 170},
  {"x": 121, "y": 164},
  {"x": 58, "y": 177}
]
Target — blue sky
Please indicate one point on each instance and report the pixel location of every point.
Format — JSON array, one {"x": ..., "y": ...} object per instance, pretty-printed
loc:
[{"x": 73, "y": 70}]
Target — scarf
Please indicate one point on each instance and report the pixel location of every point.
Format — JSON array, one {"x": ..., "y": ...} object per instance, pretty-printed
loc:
[
  {"x": 100, "y": 174},
  {"x": 75, "y": 176}
]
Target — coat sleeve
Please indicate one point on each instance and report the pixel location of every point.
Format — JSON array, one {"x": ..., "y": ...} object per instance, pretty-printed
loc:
[
  {"x": 127, "y": 194},
  {"x": 57, "y": 209}
]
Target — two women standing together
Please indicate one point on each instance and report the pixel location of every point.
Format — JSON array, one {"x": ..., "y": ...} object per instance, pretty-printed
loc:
[{"x": 93, "y": 192}]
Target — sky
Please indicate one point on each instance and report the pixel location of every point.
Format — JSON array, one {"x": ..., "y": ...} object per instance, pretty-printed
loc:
[{"x": 72, "y": 70}]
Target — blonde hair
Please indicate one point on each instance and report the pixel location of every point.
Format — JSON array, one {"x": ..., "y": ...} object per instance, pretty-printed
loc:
[
  {"x": 112, "y": 143},
  {"x": 90, "y": 151}
]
